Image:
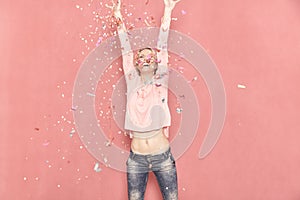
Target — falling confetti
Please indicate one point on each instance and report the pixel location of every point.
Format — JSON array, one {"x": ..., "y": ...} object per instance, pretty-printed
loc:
[
  {"x": 182, "y": 96},
  {"x": 90, "y": 94},
  {"x": 72, "y": 132},
  {"x": 183, "y": 12},
  {"x": 179, "y": 110},
  {"x": 97, "y": 168},
  {"x": 99, "y": 41},
  {"x": 241, "y": 86},
  {"x": 74, "y": 108},
  {"x": 46, "y": 143},
  {"x": 194, "y": 79},
  {"x": 157, "y": 84}
]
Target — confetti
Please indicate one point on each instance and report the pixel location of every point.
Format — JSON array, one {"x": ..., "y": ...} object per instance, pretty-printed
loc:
[
  {"x": 241, "y": 86},
  {"x": 37, "y": 129},
  {"x": 99, "y": 41},
  {"x": 97, "y": 168},
  {"x": 194, "y": 79},
  {"x": 90, "y": 94},
  {"x": 107, "y": 144},
  {"x": 147, "y": 23},
  {"x": 72, "y": 132},
  {"x": 74, "y": 108},
  {"x": 179, "y": 110},
  {"x": 105, "y": 160},
  {"x": 46, "y": 143},
  {"x": 183, "y": 12}
]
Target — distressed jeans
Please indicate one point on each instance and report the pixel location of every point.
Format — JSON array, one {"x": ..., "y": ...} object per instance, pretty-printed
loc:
[{"x": 164, "y": 168}]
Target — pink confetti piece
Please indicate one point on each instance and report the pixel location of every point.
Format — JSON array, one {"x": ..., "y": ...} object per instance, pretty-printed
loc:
[
  {"x": 147, "y": 23},
  {"x": 99, "y": 41},
  {"x": 74, "y": 108},
  {"x": 46, "y": 143},
  {"x": 183, "y": 12}
]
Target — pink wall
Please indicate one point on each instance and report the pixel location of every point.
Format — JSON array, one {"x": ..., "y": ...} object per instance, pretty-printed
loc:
[{"x": 254, "y": 43}]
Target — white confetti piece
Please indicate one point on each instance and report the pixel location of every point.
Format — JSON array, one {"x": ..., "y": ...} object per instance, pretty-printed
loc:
[
  {"x": 90, "y": 94},
  {"x": 179, "y": 110},
  {"x": 97, "y": 168},
  {"x": 105, "y": 159},
  {"x": 72, "y": 132},
  {"x": 241, "y": 86}
]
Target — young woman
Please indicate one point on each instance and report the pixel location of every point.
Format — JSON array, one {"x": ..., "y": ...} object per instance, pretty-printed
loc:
[{"x": 147, "y": 114}]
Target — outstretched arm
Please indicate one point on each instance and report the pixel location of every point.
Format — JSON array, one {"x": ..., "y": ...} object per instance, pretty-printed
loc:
[
  {"x": 127, "y": 54},
  {"x": 162, "y": 42}
]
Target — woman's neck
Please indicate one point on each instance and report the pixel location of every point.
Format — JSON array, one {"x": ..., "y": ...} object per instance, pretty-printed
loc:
[{"x": 147, "y": 77}]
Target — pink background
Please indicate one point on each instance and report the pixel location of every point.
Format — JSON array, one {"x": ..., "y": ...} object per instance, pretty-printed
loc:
[{"x": 253, "y": 43}]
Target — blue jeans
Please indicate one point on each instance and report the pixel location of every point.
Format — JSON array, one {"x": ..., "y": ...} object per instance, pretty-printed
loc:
[{"x": 164, "y": 169}]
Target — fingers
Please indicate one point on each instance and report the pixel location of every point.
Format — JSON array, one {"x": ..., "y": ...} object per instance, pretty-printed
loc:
[
  {"x": 119, "y": 4},
  {"x": 112, "y": 6}
]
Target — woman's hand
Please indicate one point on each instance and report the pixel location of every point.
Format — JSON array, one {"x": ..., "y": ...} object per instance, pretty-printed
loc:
[
  {"x": 116, "y": 9},
  {"x": 170, "y": 3}
]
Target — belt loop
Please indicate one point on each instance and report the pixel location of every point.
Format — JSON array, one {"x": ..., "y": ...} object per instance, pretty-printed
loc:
[
  {"x": 166, "y": 154},
  {"x": 132, "y": 154}
]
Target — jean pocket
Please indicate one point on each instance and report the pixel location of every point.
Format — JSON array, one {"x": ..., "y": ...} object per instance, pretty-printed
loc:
[{"x": 129, "y": 161}]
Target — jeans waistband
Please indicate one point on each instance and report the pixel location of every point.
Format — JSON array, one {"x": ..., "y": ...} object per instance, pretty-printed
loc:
[{"x": 164, "y": 152}]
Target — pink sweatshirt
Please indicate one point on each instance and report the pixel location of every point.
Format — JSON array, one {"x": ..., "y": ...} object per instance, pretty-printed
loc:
[{"x": 147, "y": 104}]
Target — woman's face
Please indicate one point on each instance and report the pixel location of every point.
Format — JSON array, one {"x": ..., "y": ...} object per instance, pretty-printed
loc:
[{"x": 146, "y": 61}]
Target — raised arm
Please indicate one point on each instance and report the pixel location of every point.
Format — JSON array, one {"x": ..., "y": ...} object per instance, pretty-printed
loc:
[
  {"x": 127, "y": 54},
  {"x": 162, "y": 42}
]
